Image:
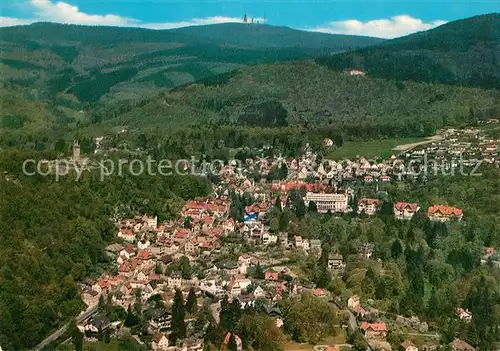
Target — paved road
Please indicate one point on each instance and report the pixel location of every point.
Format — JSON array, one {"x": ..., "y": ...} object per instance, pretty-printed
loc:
[
  {"x": 58, "y": 333},
  {"x": 353, "y": 323}
]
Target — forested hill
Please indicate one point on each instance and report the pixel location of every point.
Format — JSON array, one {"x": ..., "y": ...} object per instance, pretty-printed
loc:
[
  {"x": 263, "y": 35},
  {"x": 89, "y": 64},
  {"x": 310, "y": 96},
  {"x": 464, "y": 52}
]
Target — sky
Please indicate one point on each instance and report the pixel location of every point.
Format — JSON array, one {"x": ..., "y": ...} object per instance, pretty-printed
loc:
[{"x": 379, "y": 18}]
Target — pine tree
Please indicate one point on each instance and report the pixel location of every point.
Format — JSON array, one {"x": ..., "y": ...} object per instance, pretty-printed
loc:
[
  {"x": 130, "y": 319},
  {"x": 101, "y": 307},
  {"x": 259, "y": 272},
  {"x": 191, "y": 303},
  {"x": 433, "y": 307},
  {"x": 301, "y": 209},
  {"x": 277, "y": 204},
  {"x": 76, "y": 336},
  {"x": 396, "y": 249}
]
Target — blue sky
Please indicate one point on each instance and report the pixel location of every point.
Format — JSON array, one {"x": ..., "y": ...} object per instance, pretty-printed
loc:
[{"x": 380, "y": 18}]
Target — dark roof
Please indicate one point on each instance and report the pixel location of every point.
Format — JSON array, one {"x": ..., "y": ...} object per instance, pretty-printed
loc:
[{"x": 100, "y": 322}]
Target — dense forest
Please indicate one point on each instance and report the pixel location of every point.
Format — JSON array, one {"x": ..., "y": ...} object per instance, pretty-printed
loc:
[
  {"x": 461, "y": 53},
  {"x": 93, "y": 62}
]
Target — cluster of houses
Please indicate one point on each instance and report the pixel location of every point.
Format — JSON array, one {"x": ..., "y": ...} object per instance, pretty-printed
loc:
[
  {"x": 468, "y": 146},
  {"x": 147, "y": 248}
]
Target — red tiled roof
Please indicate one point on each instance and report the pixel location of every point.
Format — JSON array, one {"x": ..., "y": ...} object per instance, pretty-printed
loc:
[
  {"x": 271, "y": 276},
  {"x": 461, "y": 345},
  {"x": 400, "y": 206},
  {"x": 318, "y": 292},
  {"x": 143, "y": 254},
  {"x": 374, "y": 326},
  {"x": 407, "y": 343},
  {"x": 368, "y": 201}
]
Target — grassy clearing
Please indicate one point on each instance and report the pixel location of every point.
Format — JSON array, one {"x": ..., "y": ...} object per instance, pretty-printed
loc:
[
  {"x": 338, "y": 339},
  {"x": 369, "y": 149}
]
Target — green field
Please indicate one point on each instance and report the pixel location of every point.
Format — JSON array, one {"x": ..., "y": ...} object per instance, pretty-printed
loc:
[{"x": 369, "y": 149}]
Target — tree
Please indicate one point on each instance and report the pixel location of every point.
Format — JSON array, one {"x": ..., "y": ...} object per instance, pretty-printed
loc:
[
  {"x": 101, "y": 307},
  {"x": 433, "y": 306},
  {"x": 284, "y": 219},
  {"x": 310, "y": 319},
  {"x": 159, "y": 268},
  {"x": 259, "y": 272},
  {"x": 396, "y": 249},
  {"x": 130, "y": 319},
  {"x": 274, "y": 226},
  {"x": 185, "y": 267},
  {"x": 60, "y": 145},
  {"x": 187, "y": 222},
  {"x": 277, "y": 203},
  {"x": 301, "y": 209},
  {"x": 178, "y": 315},
  {"x": 191, "y": 302},
  {"x": 283, "y": 171},
  {"x": 76, "y": 336}
]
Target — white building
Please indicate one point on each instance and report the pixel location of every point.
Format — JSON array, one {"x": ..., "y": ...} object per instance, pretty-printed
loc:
[{"x": 329, "y": 202}]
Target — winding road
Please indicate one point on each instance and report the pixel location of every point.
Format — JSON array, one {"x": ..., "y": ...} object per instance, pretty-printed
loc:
[{"x": 58, "y": 333}]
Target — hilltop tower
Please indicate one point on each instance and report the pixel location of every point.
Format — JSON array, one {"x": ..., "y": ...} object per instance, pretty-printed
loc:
[{"x": 76, "y": 150}]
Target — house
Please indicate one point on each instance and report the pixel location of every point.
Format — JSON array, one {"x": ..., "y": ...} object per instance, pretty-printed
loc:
[
  {"x": 356, "y": 73},
  {"x": 160, "y": 320},
  {"x": 407, "y": 345},
  {"x": 368, "y": 206},
  {"x": 366, "y": 250},
  {"x": 283, "y": 240},
  {"x": 159, "y": 342},
  {"x": 374, "y": 330},
  {"x": 97, "y": 324},
  {"x": 259, "y": 293},
  {"x": 192, "y": 344},
  {"x": 237, "y": 285},
  {"x": 385, "y": 178},
  {"x": 143, "y": 244},
  {"x": 368, "y": 179},
  {"x": 405, "y": 210},
  {"x": 442, "y": 213},
  {"x": 315, "y": 244},
  {"x": 353, "y": 302},
  {"x": 151, "y": 222},
  {"x": 464, "y": 315},
  {"x": 461, "y": 345},
  {"x": 268, "y": 239},
  {"x": 174, "y": 280},
  {"x": 298, "y": 242},
  {"x": 271, "y": 276},
  {"x": 327, "y": 142},
  {"x": 245, "y": 259},
  {"x": 306, "y": 245},
  {"x": 319, "y": 292},
  {"x": 237, "y": 339},
  {"x": 191, "y": 247},
  {"x": 335, "y": 262}
]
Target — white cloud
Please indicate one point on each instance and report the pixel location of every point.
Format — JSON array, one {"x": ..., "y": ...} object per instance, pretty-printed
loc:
[
  {"x": 11, "y": 21},
  {"x": 61, "y": 12},
  {"x": 393, "y": 27}
]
